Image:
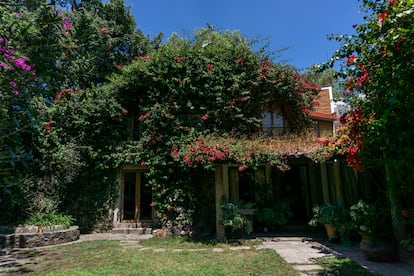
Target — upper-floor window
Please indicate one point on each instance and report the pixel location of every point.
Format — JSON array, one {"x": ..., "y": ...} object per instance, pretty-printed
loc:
[{"x": 273, "y": 120}]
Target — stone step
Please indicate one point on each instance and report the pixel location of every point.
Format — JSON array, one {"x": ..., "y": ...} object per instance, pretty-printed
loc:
[
  {"x": 128, "y": 225},
  {"x": 135, "y": 231}
]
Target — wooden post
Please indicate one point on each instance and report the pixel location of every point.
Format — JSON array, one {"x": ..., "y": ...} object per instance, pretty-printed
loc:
[
  {"x": 313, "y": 187},
  {"x": 260, "y": 180},
  {"x": 234, "y": 184},
  {"x": 339, "y": 196},
  {"x": 222, "y": 190},
  {"x": 304, "y": 181},
  {"x": 325, "y": 187}
]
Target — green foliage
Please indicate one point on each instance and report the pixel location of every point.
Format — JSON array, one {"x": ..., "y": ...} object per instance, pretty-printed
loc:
[
  {"x": 196, "y": 91},
  {"x": 376, "y": 63},
  {"x": 68, "y": 128},
  {"x": 232, "y": 217},
  {"x": 157, "y": 100},
  {"x": 49, "y": 219},
  {"x": 325, "y": 214},
  {"x": 408, "y": 243},
  {"x": 276, "y": 215}
]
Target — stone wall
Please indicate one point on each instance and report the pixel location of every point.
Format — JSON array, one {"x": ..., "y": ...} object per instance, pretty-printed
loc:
[{"x": 38, "y": 236}]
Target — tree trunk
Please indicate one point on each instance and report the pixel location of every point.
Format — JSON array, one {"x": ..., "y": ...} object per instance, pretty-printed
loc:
[{"x": 398, "y": 226}]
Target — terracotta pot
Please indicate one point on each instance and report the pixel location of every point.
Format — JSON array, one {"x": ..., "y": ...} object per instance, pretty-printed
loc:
[
  {"x": 233, "y": 234},
  {"x": 378, "y": 250},
  {"x": 331, "y": 231}
]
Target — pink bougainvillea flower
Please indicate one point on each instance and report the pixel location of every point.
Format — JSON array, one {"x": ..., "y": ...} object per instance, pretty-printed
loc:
[
  {"x": 383, "y": 15},
  {"x": 3, "y": 64},
  {"x": 204, "y": 117},
  {"x": 210, "y": 67},
  {"x": 351, "y": 59},
  {"x": 405, "y": 213},
  {"x": 179, "y": 59},
  {"x": 391, "y": 3}
]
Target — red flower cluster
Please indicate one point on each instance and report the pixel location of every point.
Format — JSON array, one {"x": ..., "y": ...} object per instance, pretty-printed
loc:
[
  {"x": 201, "y": 152},
  {"x": 353, "y": 158},
  {"x": 143, "y": 117},
  {"x": 179, "y": 59},
  {"x": 355, "y": 122},
  {"x": 351, "y": 60},
  {"x": 358, "y": 81},
  {"x": 62, "y": 93}
]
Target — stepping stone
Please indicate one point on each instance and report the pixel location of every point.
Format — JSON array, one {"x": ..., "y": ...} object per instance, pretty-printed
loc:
[
  {"x": 308, "y": 267},
  {"x": 197, "y": 250},
  {"x": 160, "y": 250},
  {"x": 177, "y": 250},
  {"x": 240, "y": 248},
  {"x": 218, "y": 250}
]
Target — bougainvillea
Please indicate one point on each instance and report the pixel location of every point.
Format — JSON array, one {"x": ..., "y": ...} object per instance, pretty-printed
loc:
[
  {"x": 190, "y": 96},
  {"x": 378, "y": 71}
]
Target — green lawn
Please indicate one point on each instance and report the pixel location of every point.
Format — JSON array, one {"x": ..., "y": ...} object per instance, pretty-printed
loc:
[
  {"x": 111, "y": 258},
  {"x": 162, "y": 257}
]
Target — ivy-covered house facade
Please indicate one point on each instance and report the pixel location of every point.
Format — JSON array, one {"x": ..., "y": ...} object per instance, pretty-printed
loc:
[{"x": 210, "y": 119}]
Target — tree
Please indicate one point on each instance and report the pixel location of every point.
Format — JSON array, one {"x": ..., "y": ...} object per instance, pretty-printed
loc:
[
  {"x": 60, "y": 55},
  {"x": 378, "y": 64}
]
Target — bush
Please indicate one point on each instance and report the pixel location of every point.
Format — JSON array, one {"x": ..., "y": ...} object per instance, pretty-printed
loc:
[{"x": 49, "y": 219}]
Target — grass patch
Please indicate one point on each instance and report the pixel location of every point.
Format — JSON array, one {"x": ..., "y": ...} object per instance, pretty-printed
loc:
[
  {"x": 184, "y": 243},
  {"x": 342, "y": 266},
  {"x": 110, "y": 258}
]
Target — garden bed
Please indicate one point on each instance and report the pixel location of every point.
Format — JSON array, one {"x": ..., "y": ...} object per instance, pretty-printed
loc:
[{"x": 34, "y": 236}]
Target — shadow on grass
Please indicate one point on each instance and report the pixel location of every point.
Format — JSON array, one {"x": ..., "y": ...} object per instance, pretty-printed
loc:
[{"x": 341, "y": 266}]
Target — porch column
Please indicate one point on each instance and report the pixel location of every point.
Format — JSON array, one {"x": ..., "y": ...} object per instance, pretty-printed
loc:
[{"x": 222, "y": 190}]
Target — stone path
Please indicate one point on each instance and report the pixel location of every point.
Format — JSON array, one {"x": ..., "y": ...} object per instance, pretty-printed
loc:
[{"x": 298, "y": 251}]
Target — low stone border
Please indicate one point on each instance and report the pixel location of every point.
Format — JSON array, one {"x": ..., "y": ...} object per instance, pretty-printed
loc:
[{"x": 27, "y": 237}]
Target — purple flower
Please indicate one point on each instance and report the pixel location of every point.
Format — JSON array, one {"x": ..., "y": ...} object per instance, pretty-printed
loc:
[
  {"x": 12, "y": 84},
  {"x": 67, "y": 25},
  {"x": 3, "y": 64},
  {"x": 20, "y": 62},
  {"x": 2, "y": 40},
  {"x": 16, "y": 91},
  {"x": 19, "y": 14}
]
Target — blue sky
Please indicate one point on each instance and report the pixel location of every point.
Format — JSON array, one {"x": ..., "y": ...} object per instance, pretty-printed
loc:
[{"x": 303, "y": 25}]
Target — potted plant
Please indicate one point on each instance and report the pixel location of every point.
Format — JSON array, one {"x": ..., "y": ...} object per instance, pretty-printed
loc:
[
  {"x": 273, "y": 216},
  {"x": 332, "y": 217},
  {"x": 373, "y": 222},
  {"x": 235, "y": 223}
]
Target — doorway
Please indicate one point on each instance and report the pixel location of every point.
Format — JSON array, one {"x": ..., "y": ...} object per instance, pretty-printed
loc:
[{"x": 136, "y": 196}]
